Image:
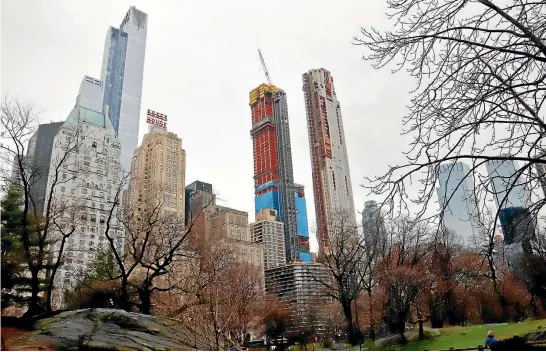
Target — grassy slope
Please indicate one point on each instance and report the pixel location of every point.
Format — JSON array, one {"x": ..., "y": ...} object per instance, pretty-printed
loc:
[{"x": 472, "y": 336}]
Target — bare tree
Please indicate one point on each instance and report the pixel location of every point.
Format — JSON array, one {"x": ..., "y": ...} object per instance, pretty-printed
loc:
[
  {"x": 374, "y": 245},
  {"x": 343, "y": 261},
  {"x": 152, "y": 240},
  {"x": 401, "y": 277},
  {"x": 44, "y": 233},
  {"x": 480, "y": 72},
  {"x": 225, "y": 296}
]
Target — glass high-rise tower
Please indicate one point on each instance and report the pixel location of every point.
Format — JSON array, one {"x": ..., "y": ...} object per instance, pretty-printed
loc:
[
  {"x": 122, "y": 74},
  {"x": 458, "y": 201},
  {"x": 506, "y": 186}
]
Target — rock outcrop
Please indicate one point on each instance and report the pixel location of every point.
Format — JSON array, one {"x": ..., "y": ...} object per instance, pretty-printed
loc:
[{"x": 109, "y": 329}]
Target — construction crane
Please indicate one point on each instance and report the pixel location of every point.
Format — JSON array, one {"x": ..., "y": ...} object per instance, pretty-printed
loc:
[{"x": 264, "y": 67}]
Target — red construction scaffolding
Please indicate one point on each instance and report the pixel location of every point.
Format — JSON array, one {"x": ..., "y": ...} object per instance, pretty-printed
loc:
[{"x": 264, "y": 136}]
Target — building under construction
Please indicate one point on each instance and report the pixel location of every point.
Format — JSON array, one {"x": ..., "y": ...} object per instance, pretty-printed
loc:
[
  {"x": 330, "y": 163},
  {"x": 273, "y": 174}
]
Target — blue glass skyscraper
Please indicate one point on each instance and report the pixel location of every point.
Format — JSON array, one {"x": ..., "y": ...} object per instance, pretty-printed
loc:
[{"x": 122, "y": 74}]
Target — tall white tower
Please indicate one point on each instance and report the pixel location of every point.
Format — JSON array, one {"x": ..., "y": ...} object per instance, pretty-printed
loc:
[
  {"x": 331, "y": 175},
  {"x": 122, "y": 73},
  {"x": 506, "y": 186},
  {"x": 458, "y": 205}
]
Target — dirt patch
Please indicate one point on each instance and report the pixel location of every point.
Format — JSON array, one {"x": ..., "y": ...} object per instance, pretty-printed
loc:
[{"x": 14, "y": 339}]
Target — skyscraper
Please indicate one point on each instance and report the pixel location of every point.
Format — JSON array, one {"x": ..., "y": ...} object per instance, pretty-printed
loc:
[
  {"x": 273, "y": 173},
  {"x": 507, "y": 191},
  {"x": 40, "y": 147},
  {"x": 330, "y": 164},
  {"x": 373, "y": 224},
  {"x": 158, "y": 173},
  {"x": 122, "y": 73},
  {"x": 512, "y": 199},
  {"x": 457, "y": 201},
  {"x": 85, "y": 188}
]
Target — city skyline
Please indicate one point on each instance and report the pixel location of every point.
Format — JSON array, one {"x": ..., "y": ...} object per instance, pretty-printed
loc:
[{"x": 183, "y": 92}]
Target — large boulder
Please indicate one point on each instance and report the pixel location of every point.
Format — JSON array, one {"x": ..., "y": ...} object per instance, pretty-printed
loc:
[
  {"x": 388, "y": 341},
  {"x": 109, "y": 329},
  {"x": 535, "y": 336}
]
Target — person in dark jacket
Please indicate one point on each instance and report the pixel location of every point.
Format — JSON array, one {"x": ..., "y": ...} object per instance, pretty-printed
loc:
[{"x": 490, "y": 339}]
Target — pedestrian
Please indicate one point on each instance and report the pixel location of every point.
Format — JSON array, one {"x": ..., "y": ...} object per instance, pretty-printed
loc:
[{"x": 490, "y": 339}]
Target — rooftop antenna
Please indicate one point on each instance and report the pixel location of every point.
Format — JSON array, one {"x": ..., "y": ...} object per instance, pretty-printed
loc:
[{"x": 264, "y": 67}]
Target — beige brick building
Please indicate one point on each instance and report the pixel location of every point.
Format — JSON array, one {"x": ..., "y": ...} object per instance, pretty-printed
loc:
[
  {"x": 231, "y": 227},
  {"x": 158, "y": 173}
]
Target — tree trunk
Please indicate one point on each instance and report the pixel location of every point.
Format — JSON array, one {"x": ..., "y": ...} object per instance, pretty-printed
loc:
[
  {"x": 401, "y": 327},
  {"x": 349, "y": 320},
  {"x": 372, "y": 330},
  {"x": 499, "y": 294},
  {"x": 34, "y": 306},
  {"x": 124, "y": 301},
  {"x": 50, "y": 284},
  {"x": 145, "y": 297}
]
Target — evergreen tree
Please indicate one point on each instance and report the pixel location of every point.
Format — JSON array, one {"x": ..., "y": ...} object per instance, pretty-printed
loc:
[
  {"x": 104, "y": 267},
  {"x": 14, "y": 279}
]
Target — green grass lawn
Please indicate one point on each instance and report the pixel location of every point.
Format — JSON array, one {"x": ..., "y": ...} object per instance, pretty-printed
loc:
[{"x": 472, "y": 336}]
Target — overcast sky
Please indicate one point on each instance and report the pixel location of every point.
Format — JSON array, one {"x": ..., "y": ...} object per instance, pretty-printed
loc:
[{"x": 201, "y": 62}]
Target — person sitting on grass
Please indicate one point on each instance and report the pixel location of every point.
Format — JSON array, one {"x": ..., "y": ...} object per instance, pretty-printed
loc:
[{"x": 490, "y": 339}]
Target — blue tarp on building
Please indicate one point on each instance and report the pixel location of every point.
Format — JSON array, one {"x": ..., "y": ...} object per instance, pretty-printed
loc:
[
  {"x": 269, "y": 200},
  {"x": 301, "y": 217}
]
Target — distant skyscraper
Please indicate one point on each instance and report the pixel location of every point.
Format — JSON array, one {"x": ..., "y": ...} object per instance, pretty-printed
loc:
[
  {"x": 303, "y": 225},
  {"x": 158, "y": 173},
  {"x": 373, "y": 224},
  {"x": 122, "y": 73},
  {"x": 86, "y": 188},
  {"x": 505, "y": 186},
  {"x": 456, "y": 195},
  {"x": 273, "y": 173},
  {"x": 38, "y": 160},
  {"x": 330, "y": 163}
]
